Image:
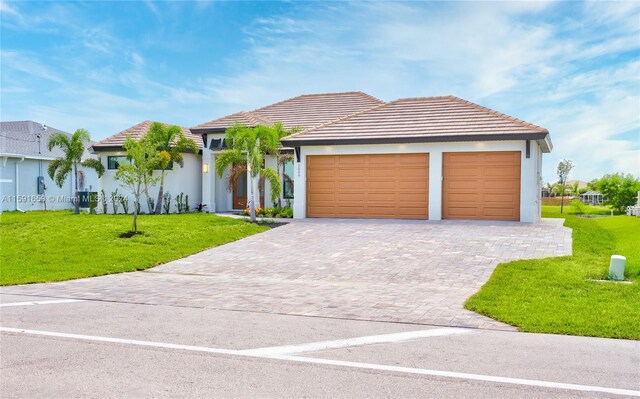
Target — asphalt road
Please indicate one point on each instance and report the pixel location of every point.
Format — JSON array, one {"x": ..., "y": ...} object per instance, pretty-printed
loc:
[{"x": 114, "y": 349}]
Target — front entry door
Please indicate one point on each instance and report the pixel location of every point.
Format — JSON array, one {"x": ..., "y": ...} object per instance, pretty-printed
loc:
[{"x": 240, "y": 192}]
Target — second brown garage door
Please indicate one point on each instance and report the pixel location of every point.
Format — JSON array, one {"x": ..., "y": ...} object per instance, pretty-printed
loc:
[
  {"x": 368, "y": 186},
  {"x": 481, "y": 185}
]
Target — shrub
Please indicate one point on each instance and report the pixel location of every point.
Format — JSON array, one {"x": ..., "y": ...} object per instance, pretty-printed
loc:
[
  {"x": 200, "y": 207},
  {"x": 579, "y": 207},
  {"x": 114, "y": 201},
  {"x": 151, "y": 203},
  {"x": 124, "y": 201},
  {"x": 180, "y": 202},
  {"x": 286, "y": 213},
  {"x": 104, "y": 202},
  {"x": 166, "y": 202},
  {"x": 186, "y": 203}
]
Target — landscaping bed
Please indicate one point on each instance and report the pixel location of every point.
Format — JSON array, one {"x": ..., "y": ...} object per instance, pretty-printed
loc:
[
  {"x": 45, "y": 246},
  {"x": 559, "y": 295}
]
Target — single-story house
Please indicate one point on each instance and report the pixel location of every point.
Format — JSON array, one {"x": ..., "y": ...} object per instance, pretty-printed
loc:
[
  {"x": 24, "y": 158},
  {"x": 356, "y": 156},
  {"x": 420, "y": 158},
  {"x": 185, "y": 180}
]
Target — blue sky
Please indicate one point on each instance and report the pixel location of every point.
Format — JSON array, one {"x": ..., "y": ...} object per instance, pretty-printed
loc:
[{"x": 571, "y": 67}]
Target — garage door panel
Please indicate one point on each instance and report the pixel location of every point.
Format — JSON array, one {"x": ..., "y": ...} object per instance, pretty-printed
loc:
[
  {"x": 481, "y": 185},
  {"x": 375, "y": 185}
]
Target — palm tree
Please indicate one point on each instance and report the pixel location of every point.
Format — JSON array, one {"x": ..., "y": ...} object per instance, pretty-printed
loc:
[
  {"x": 170, "y": 142},
  {"x": 575, "y": 187},
  {"x": 281, "y": 159},
  {"x": 73, "y": 148},
  {"x": 249, "y": 146},
  {"x": 550, "y": 188}
]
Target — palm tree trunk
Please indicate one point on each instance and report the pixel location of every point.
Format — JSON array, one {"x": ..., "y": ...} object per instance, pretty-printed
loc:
[
  {"x": 160, "y": 193},
  {"x": 252, "y": 204},
  {"x": 76, "y": 205}
]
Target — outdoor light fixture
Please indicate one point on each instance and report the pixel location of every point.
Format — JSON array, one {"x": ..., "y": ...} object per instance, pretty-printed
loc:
[{"x": 205, "y": 168}]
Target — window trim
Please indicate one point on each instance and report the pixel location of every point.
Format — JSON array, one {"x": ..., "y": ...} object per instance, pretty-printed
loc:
[
  {"x": 109, "y": 158},
  {"x": 284, "y": 182}
]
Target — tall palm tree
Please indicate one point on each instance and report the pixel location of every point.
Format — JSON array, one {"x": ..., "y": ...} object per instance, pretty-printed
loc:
[
  {"x": 249, "y": 146},
  {"x": 170, "y": 142},
  {"x": 73, "y": 148}
]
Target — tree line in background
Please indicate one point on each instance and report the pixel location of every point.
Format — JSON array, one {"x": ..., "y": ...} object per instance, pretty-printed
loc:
[{"x": 619, "y": 190}]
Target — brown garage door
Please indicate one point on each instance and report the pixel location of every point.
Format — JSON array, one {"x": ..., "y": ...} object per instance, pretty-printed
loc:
[
  {"x": 368, "y": 186},
  {"x": 481, "y": 185}
]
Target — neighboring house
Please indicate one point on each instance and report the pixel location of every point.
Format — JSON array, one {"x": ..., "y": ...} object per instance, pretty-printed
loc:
[
  {"x": 24, "y": 158},
  {"x": 592, "y": 198},
  {"x": 419, "y": 158},
  {"x": 186, "y": 180}
]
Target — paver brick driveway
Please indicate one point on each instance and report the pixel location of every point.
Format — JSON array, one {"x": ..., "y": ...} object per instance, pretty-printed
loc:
[{"x": 405, "y": 271}]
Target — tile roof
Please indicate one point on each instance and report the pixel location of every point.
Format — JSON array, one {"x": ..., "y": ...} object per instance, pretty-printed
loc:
[
  {"x": 420, "y": 119},
  {"x": 137, "y": 132},
  {"x": 305, "y": 111},
  {"x": 21, "y": 138}
]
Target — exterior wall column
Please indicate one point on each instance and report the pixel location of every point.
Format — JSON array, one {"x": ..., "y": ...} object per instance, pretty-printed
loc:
[
  {"x": 208, "y": 180},
  {"x": 300, "y": 186},
  {"x": 530, "y": 173},
  {"x": 212, "y": 181},
  {"x": 435, "y": 184}
]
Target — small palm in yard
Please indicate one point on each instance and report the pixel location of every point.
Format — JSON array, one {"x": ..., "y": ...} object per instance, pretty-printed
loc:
[
  {"x": 137, "y": 173},
  {"x": 170, "y": 142},
  {"x": 249, "y": 146},
  {"x": 73, "y": 148}
]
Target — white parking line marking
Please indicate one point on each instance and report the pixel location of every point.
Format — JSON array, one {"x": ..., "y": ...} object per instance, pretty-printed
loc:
[
  {"x": 338, "y": 363},
  {"x": 40, "y": 302},
  {"x": 359, "y": 341}
]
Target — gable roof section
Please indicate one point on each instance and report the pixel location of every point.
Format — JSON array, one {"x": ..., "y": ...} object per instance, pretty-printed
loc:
[
  {"x": 20, "y": 138},
  {"x": 137, "y": 132},
  {"x": 428, "y": 119},
  {"x": 305, "y": 111}
]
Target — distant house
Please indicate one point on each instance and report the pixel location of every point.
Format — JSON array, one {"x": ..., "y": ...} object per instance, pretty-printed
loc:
[
  {"x": 592, "y": 198},
  {"x": 24, "y": 158}
]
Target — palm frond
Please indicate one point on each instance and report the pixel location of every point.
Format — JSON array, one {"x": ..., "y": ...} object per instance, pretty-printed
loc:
[
  {"x": 62, "y": 173},
  {"x": 227, "y": 158},
  {"x": 272, "y": 177},
  {"x": 94, "y": 164},
  {"x": 58, "y": 140},
  {"x": 54, "y": 166}
]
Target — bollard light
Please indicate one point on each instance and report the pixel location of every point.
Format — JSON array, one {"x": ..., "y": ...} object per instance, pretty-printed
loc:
[{"x": 616, "y": 267}]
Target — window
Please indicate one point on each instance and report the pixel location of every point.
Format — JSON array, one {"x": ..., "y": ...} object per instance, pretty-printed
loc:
[
  {"x": 287, "y": 180},
  {"x": 116, "y": 160}
]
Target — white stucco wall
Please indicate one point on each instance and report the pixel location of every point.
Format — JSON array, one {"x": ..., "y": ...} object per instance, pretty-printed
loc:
[
  {"x": 54, "y": 197},
  {"x": 529, "y": 179},
  {"x": 185, "y": 180}
]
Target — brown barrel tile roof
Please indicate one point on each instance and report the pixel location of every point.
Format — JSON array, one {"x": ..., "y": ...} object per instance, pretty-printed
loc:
[
  {"x": 429, "y": 118},
  {"x": 305, "y": 111},
  {"x": 137, "y": 132}
]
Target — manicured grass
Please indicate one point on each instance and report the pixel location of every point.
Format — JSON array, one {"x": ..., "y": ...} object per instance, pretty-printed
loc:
[
  {"x": 557, "y": 295},
  {"x": 553, "y": 211},
  {"x": 53, "y": 246}
]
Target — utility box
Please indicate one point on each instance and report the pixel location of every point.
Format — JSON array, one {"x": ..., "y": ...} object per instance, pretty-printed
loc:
[
  {"x": 41, "y": 186},
  {"x": 616, "y": 267}
]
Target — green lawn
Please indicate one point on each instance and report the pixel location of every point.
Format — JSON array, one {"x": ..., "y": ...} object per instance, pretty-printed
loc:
[
  {"x": 52, "y": 246},
  {"x": 556, "y": 295}
]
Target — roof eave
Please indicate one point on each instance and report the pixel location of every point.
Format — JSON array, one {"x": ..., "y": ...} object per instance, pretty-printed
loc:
[
  {"x": 104, "y": 148},
  {"x": 541, "y": 137}
]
